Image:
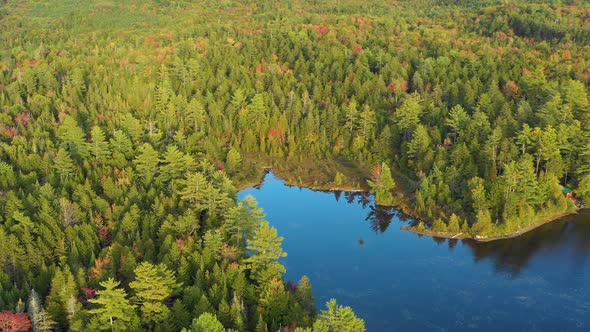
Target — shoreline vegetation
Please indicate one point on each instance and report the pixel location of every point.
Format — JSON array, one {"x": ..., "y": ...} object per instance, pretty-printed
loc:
[
  {"x": 465, "y": 236},
  {"x": 303, "y": 178}
]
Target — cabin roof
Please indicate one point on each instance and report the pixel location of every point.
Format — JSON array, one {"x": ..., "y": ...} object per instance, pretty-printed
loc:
[{"x": 566, "y": 190}]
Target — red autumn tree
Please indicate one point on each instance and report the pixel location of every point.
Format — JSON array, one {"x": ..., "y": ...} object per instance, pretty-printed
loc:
[{"x": 11, "y": 322}]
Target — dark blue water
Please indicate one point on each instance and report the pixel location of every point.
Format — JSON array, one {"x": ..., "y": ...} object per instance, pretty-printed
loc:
[{"x": 397, "y": 280}]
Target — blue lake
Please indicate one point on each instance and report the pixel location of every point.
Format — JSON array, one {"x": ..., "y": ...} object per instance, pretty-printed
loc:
[{"x": 397, "y": 280}]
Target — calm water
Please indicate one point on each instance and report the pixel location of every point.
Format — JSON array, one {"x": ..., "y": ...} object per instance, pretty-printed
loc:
[{"x": 397, "y": 280}]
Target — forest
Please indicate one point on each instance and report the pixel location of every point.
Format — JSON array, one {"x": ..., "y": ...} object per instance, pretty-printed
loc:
[{"x": 127, "y": 128}]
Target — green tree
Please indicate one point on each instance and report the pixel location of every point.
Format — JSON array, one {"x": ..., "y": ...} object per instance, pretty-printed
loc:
[
  {"x": 419, "y": 146},
  {"x": 233, "y": 161},
  {"x": 352, "y": 114},
  {"x": 525, "y": 138},
  {"x": 367, "y": 122},
  {"x": 197, "y": 190},
  {"x": 338, "y": 318},
  {"x": 458, "y": 119},
  {"x": 121, "y": 144},
  {"x": 175, "y": 164},
  {"x": 382, "y": 184},
  {"x": 206, "y": 322},
  {"x": 61, "y": 302},
  {"x": 454, "y": 224},
  {"x": 146, "y": 163},
  {"x": 72, "y": 137},
  {"x": 114, "y": 311},
  {"x": 43, "y": 322},
  {"x": 265, "y": 250},
  {"x": 274, "y": 302},
  {"x": 64, "y": 165},
  {"x": 153, "y": 284},
  {"x": 99, "y": 148},
  {"x": 407, "y": 116},
  {"x": 242, "y": 219},
  {"x": 584, "y": 189}
]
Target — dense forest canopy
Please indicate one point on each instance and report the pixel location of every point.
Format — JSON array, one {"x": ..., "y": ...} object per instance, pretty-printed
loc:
[{"x": 125, "y": 127}]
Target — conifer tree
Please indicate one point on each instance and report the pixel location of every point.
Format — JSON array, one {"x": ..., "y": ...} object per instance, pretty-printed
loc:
[
  {"x": 265, "y": 249},
  {"x": 152, "y": 285},
  {"x": 382, "y": 184},
  {"x": 72, "y": 137},
  {"x": 339, "y": 318},
  {"x": 146, "y": 163},
  {"x": 206, "y": 322},
  {"x": 98, "y": 146},
  {"x": 114, "y": 312},
  {"x": 64, "y": 165}
]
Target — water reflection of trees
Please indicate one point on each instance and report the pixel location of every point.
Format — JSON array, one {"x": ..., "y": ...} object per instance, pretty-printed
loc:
[
  {"x": 560, "y": 237},
  {"x": 379, "y": 217},
  {"x": 362, "y": 198},
  {"x": 570, "y": 236}
]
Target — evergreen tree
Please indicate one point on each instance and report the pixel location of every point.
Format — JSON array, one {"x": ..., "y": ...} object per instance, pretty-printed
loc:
[
  {"x": 114, "y": 312},
  {"x": 382, "y": 184},
  {"x": 146, "y": 163},
  {"x": 265, "y": 249},
  {"x": 61, "y": 302},
  {"x": 152, "y": 285},
  {"x": 206, "y": 323},
  {"x": 64, "y": 165},
  {"x": 338, "y": 318},
  {"x": 99, "y": 148}
]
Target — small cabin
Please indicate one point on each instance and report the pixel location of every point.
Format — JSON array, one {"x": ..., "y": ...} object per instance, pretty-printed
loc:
[
  {"x": 571, "y": 194},
  {"x": 568, "y": 192}
]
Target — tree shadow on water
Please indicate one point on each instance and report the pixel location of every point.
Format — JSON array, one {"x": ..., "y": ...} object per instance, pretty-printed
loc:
[
  {"x": 569, "y": 237},
  {"x": 379, "y": 218}
]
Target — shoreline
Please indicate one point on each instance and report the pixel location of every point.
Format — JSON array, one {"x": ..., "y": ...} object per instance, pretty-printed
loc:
[
  {"x": 289, "y": 183},
  {"x": 467, "y": 236},
  {"x": 403, "y": 207}
]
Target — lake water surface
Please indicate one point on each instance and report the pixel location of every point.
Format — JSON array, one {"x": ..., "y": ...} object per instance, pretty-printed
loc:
[{"x": 399, "y": 281}]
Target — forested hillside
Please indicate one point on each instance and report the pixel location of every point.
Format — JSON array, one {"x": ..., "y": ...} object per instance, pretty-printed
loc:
[{"x": 125, "y": 127}]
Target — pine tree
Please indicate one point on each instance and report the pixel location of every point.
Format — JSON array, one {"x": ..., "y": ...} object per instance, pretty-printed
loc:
[
  {"x": 351, "y": 112},
  {"x": 454, "y": 224},
  {"x": 232, "y": 161},
  {"x": 196, "y": 114},
  {"x": 72, "y": 137},
  {"x": 99, "y": 148},
  {"x": 114, "y": 310},
  {"x": 407, "y": 116},
  {"x": 175, "y": 164},
  {"x": 265, "y": 249},
  {"x": 382, "y": 184},
  {"x": 64, "y": 165},
  {"x": 274, "y": 303},
  {"x": 146, "y": 163},
  {"x": 242, "y": 219},
  {"x": 261, "y": 325},
  {"x": 152, "y": 285},
  {"x": 304, "y": 295},
  {"x": 43, "y": 322},
  {"x": 206, "y": 322},
  {"x": 458, "y": 119},
  {"x": 62, "y": 297},
  {"x": 204, "y": 305},
  {"x": 197, "y": 190},
  {"x": 120, "y": 143},
  {"x": 339, "y": 318}
]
